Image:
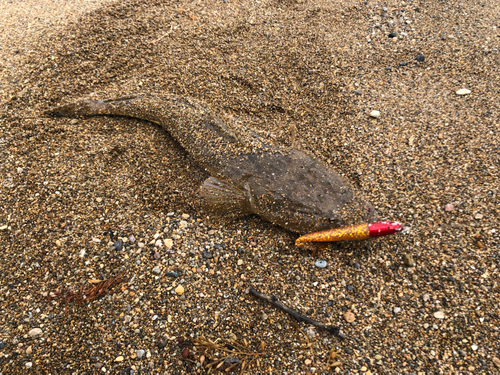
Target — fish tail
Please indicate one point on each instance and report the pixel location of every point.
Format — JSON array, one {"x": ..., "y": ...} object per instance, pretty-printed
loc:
[{"x": 78, "y": 109}]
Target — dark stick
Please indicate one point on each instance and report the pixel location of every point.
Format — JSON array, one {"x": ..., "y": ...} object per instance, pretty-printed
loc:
[{"x": 301, "y": 318}]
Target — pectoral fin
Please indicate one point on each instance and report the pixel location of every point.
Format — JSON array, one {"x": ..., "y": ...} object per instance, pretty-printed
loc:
[{"x": 225, "y": 196}]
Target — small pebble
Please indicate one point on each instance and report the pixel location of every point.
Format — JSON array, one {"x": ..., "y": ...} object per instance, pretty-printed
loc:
[
  {"x": 157, "y": 270},
  {"x": 420, "y": 58},
  {"x": 463, "y": 92},
  {"x": 375, "y": 114},
  {"x": 158, "y": 243},
  {"x": 439, "y": 315},
  {"x": 118, "y": 245},
  {"x": 474, "y": 347},
  {"x": 28, "y": 364},
  {"x": 179, "y": 290},
  {"x": 2, "y": 345},
  {"x": 496, "y": 361},
  {"x": 140, "y": 353},
  {"x": 426, "y": 297},
  {"x": 169, "y": 243},
  {"x": 408, "y": 260},
  {"x": 35, "y": 332},
  {"x": 393, "y": 35},
  {"x": 349, "y": 317},
  {"x": 131, "y": 239},
  {"x": 320, "y": 263},
  {"x": 172, "y": 274},
  {"x": 478, "y": 216},
  {"x": 449, "y": 207},
  {"x": 378, "y": 357},
  {"x": 396, "y": 310},
  {"x": 119, "y": 358}
]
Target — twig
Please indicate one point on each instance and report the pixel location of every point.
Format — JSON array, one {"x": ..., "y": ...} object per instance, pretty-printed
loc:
[{"x": 301, "y": 318}]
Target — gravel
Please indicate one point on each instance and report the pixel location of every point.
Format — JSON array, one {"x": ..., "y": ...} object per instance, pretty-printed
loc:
[{"x": 430, "y": 161}]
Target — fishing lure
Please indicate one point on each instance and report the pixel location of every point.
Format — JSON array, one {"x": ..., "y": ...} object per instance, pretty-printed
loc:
[{"x": 352, "y": 232}]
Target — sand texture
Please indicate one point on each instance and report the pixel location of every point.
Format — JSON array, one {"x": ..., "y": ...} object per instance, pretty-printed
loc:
[{"x": 85, "y": 202}]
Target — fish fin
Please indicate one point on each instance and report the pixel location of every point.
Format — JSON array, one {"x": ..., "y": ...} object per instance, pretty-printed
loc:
[
  {"x": 223, "y": 128},
  {"x": 225, "y": 196}
]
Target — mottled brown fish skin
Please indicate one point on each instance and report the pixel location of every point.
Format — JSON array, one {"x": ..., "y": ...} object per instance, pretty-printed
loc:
[{"x": 282, "y": 185}]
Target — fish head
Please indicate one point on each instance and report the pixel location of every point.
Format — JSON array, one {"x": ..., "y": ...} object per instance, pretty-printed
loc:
[
  {"x": 302, "y": 195},
  {"x": 300, "y": 215}
]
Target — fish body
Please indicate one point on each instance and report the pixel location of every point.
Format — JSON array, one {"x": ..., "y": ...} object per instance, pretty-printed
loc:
[{"x": 282, "y": 185}]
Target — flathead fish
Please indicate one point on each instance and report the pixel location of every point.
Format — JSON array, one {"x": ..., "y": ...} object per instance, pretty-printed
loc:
[{"x": 285, "y": 186}]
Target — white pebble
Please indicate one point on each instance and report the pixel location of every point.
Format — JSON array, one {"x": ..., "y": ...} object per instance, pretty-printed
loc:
[
  {"x": 463, "y": 92},
  {"x": 439, "y": 315},
  {"x": 169, "y": 243},
  {"x": 375, "y": 114},
  {"x": 35, "y": 332}
]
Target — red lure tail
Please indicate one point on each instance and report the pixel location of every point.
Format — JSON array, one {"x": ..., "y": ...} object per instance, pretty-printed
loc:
[{"x": 384, "y": 228}]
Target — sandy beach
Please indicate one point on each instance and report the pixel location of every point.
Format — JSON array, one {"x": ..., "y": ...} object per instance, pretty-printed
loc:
[{"x": 402, "y": 98}]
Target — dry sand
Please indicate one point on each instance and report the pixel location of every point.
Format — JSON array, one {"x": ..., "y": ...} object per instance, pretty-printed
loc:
[{"x": 429, "y": 161}]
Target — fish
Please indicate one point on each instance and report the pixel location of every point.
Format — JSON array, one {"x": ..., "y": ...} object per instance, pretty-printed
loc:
[
  {"x": 351, "y": 233},
  {"x": 247, "y": 173}
]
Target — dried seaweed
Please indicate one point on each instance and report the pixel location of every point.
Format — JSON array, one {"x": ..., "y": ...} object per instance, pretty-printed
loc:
[
  {"x": 81, "y": 296},
  {"x": 226, "y": 356}
]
